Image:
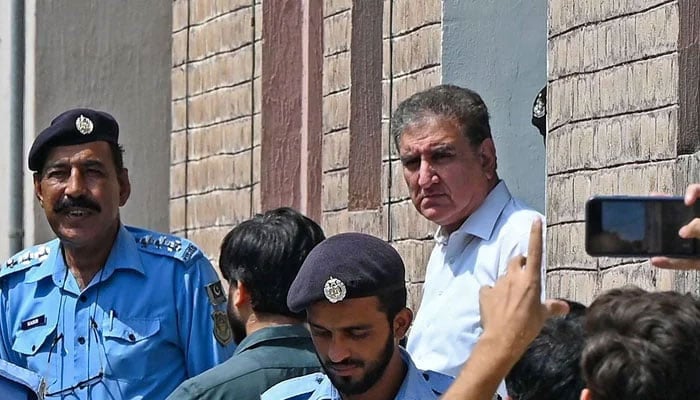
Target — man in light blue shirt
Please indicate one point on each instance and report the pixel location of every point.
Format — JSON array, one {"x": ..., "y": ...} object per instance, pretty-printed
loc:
[
  {"x": 105, "y": 311},
  {"x": 352, "y": 288}
]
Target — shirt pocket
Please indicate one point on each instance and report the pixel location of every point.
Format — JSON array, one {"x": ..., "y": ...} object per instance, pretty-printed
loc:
[
  {"x": 130, "y": 344},
  {"x": 33, "y": 341},
  {"x": 34, "y": 345}
]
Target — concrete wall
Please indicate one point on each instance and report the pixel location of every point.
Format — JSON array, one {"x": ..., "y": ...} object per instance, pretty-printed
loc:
[
  {"x": 501, "y": 52},
  {"x": 114, "y": 56},
  {"x": 613, "y": 129},
  {"x": 5, "y": 50}
]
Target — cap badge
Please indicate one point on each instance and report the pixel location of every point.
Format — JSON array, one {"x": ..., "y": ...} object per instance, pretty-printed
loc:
[
  {"x": 334, "y": 290},
  {"x": 539, "y": 109},
  {"x": 84, "y": 125}
]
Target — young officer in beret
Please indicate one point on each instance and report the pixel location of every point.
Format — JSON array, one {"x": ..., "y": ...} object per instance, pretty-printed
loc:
[
  {"x": 105, "y": 311},
  {"x": 352, "y": 288}
]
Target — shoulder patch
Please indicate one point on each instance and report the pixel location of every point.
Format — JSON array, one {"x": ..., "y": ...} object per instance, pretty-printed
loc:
[
  {"x": 166, "y": 245},
  {"x": 438, "y": 382},
  {"x": 299, "y": 388},
  {"x": 24, "y": 259}
]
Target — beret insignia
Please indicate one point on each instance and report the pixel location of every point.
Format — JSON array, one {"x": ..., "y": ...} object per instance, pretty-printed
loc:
[
  {"x": 334, "y": 290},
  {"x": 84, "y": 125}
]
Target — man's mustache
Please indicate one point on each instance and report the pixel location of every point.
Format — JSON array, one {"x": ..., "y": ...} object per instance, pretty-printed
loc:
[
  {"x": 76, "y": 202},
  {"x": 345, "y": 363}
]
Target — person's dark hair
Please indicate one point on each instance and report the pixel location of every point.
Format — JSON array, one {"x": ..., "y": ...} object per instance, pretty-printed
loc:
[
  {"x": 265, "y": 253},
  {"x": 642, "y": 345},
  {"x": 549, "y": 369},
  {"x": 392, "y": 301},
  {"x": 461, "y": 105},
  {"x": 117, "y": 156}
]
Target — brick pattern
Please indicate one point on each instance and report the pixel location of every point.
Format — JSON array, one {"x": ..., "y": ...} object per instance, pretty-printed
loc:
[
  {"x": 215, "y": 141},
  {"x": 613, "y": 112},
  {"x": 412, "y": 37}
]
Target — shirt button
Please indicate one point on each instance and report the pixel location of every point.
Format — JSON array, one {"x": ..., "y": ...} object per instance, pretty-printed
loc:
[
  {"x": 81, "y": 340},
  {"x": 83, "y": 298},
  {"x": 132, "y": 337}
]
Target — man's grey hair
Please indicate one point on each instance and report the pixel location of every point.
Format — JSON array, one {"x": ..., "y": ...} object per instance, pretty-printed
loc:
[{"x": 452, "y": 102}]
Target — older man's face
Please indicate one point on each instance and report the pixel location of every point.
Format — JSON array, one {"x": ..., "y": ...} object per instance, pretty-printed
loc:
[
  {"x": 447, "y": 177},
  {"x": 81, "y": 192}
]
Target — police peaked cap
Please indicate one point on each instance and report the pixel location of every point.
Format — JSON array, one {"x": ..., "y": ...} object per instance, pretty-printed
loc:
[
  {"x": 77, "y": 126},
  {"x": 346, "y": 266}
]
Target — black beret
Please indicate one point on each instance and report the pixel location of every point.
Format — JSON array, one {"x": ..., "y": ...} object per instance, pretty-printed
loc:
[
  {"x": 77, "y": 126},
  {"x": 346, "y": 266}
]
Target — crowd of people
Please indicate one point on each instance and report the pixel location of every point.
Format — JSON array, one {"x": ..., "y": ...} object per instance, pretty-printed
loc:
[{"x": 110, "y": 311}]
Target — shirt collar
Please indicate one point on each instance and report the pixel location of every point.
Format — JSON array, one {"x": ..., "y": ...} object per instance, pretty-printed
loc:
[
  {"x": 272, "y": 333},
  {"x": 124, "y": 255},
  {"x": 482, "y": 221},
  {"x": 414, "y": 386}
]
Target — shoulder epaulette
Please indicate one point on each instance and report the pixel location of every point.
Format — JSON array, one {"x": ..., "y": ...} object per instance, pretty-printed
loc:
[
  {"x": 438, "y": 382},
  {"x": 296, "y": 388},
  {"x": 24, "y": 259},
  {"x": 164, "y": 244}
]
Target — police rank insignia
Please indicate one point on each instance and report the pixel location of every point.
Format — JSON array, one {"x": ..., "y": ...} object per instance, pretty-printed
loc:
[
  {"x": 222, "y": 329},
  {"x": 84, "y": 125},
  {"x": 334, "y": 290},
  {"x": 216, "y": 293}
]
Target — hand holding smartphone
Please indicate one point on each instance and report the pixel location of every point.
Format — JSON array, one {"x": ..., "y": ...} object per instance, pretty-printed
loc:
[{"x": 639, "y": 226}]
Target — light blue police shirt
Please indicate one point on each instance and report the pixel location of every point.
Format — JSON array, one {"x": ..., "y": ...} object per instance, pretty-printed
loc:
[
  {"x": 151, "y": 318},
  {"x": 417, "y": 385},
  {"x": 17, "y": 383}
]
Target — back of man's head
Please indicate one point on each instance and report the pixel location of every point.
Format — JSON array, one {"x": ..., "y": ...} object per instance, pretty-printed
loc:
[
  {"x": 642, "y": 346},
  {"x": 550, "y": 368},
  {"x": 265, "y": 253}
]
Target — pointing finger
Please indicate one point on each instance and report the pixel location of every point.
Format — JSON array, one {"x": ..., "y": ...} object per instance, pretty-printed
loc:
[{"x": 534, "y": 251}]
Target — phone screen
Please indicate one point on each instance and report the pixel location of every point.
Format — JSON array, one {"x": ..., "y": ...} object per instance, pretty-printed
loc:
[{"x": 638, "y": 226}]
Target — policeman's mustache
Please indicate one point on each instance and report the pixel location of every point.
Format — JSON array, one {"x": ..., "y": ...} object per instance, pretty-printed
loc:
[{"x": 76, "y": 202}]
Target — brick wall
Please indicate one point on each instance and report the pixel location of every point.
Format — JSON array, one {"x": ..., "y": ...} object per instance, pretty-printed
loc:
[
  {"x": 216, "y": 136},
  {"x": 412, "y": 52},
  {"x": 613, "y": 129},
  {"x": 215, "y": 142}
]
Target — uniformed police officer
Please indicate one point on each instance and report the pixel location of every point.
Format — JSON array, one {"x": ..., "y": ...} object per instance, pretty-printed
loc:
[
  {"x": 105, "y": 311},
  {"x": 352, "y": 288}
]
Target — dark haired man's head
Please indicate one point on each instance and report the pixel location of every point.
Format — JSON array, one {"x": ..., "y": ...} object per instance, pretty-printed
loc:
[
  {"x": 260, "y": 259},
  {"x": 549, "y": 369},
  {"x": 448, "y": 157},
  {"x": 642, "y": 345}
]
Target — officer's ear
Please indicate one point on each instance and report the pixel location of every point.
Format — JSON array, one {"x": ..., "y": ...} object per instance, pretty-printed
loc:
[
  {"x": 37, "y": 188},
  {"x": 402, "y": 321},
  {"x": 241, "y": 295},
  {"x": 124, "y": 186}
]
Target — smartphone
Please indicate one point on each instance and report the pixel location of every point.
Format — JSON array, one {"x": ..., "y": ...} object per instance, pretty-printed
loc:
[{"x": 639, "y": 226}]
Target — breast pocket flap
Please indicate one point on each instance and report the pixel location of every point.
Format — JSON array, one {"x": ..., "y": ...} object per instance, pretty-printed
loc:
[
  {"x": 28, "y": 342},
  {"x": 130, "y": 330}
]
